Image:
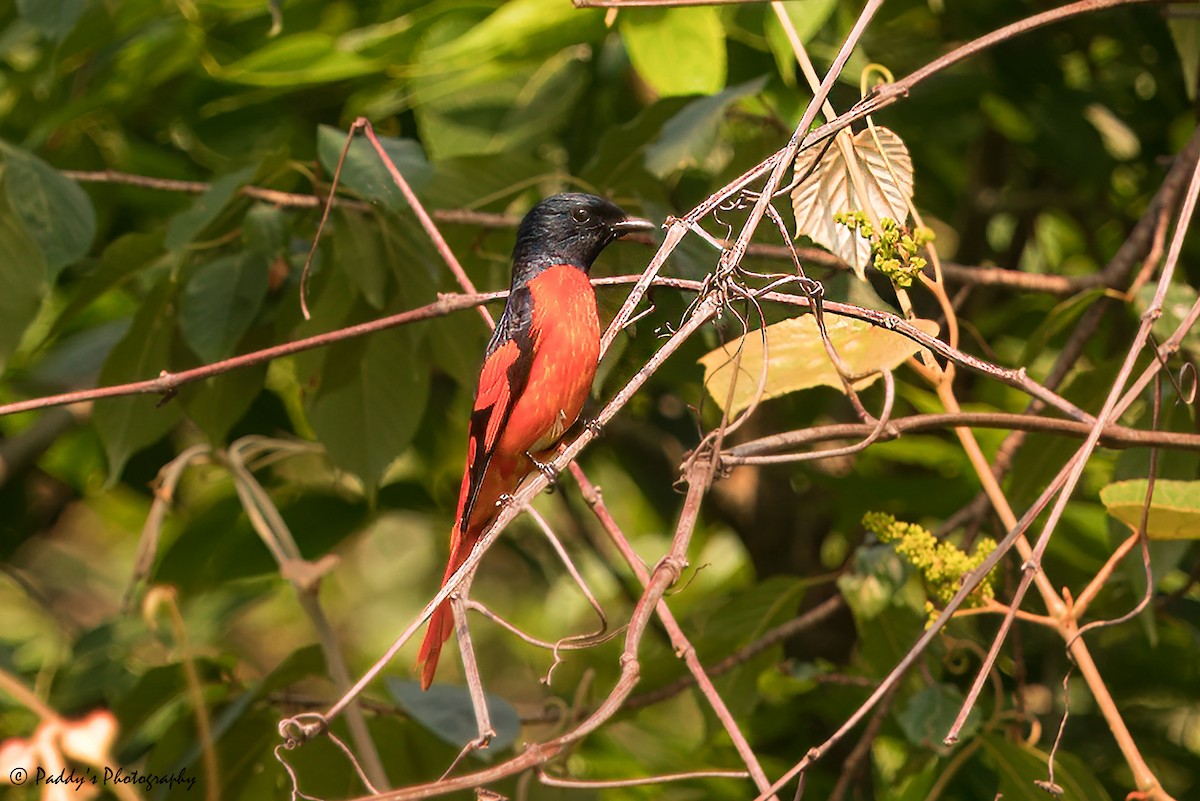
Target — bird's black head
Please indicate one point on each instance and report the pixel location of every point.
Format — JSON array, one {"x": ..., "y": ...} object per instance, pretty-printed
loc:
[{"x": 571, "y": 228}]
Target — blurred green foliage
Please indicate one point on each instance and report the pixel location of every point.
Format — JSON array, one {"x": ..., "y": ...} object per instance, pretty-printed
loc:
[{"x": 1038, "y": 154}]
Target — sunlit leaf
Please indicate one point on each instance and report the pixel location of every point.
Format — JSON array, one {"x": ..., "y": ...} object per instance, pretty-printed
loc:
[
  {"x": 678, "y": 51},
  {"x": 830, "y": 186},
  {"x": 446, "y": 711},
  {"x": 127, "y": 425},
  {"x": 55, "y": 211},
  {"x": 797, "y": 358},
  {"x": 807, "y": 17},
  {"x": 310, "y": 57},
  {"x": 1174, "y": 509}
]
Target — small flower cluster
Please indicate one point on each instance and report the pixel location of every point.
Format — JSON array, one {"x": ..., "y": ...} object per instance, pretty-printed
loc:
[
  {"x": 942, "y": 564},
  {"x": 894, "y": 249}
]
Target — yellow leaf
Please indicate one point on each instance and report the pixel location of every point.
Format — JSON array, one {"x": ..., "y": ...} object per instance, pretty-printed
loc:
[
  {"x": 1174, "y": 509},
  {"x": 854, "y": 174},
  {"x": 797, "y": 358}
]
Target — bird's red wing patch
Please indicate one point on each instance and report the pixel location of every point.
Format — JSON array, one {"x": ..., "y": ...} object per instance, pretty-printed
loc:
[{"x": 495, "y": 391}]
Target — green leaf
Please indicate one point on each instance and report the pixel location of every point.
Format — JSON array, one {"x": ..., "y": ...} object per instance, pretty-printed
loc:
[
  {"x": 498, "y": 107},
  {"x": 446, "y": 711},
  {"x": 22, "y": 280},
  {"x": 1175, "y": 307},
  {"x": 930, "y": 713},
  {"x": 218, "y": 546},
  {"x": 55, "y": 18},
  {"x": 690, "y": 135},
  {"x": 121, "y": 260},
  {"x": 358, "y": 249},
  {"x": 264, "y": 230},
  {"x": 516, "y": 30},
  {"x": 55, "y": 211},
  {"x": 217, "y": 403},
  {"x": 1018, "y": 767},
  {"x": 807, "y": 17},
  {"x": 798, "y": 359},
  {"x": 1186, "y": 33},
  {"x": 370, "y": 400},
  {"x": 677, "y": 51},
  {"x": 185, "y": 227},
  {"x": 364, "y": 172},
  {"x": 127, "y": 425},
  {"x": 301, "y": 59},
  {"x": 219, "y": 303},
  {"x": 1174, "y": 509}
]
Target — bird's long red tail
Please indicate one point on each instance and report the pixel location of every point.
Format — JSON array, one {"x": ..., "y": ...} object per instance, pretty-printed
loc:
[{"x": 441, "y": 622}]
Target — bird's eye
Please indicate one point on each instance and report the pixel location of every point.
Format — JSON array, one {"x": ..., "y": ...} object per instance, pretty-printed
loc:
[{"x": 580, "y": 215}]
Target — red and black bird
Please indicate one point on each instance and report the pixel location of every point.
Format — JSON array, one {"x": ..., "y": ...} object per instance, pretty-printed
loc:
[{"x": 537, "y": 370}]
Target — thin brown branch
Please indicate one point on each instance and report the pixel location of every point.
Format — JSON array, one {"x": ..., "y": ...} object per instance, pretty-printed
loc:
[{"x": 1112, "y": 436}]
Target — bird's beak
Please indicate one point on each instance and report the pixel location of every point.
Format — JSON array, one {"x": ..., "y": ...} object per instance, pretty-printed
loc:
[{"x": 632, "y": 225}]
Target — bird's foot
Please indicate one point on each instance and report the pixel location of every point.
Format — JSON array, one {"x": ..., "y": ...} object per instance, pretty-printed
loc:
[
  {"x": 595, "y": 426},
  {"x": 547, "y": 469}
]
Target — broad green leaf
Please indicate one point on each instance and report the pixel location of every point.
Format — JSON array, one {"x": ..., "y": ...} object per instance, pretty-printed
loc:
[
  {"x": 371, "y": 397},
  {"x": 124, "y": 258},
  {"x": 807, "y": 17},
  {"x": 75, "y": 360},
  {"x": 928, "y": 716},
  {"x": 358, "y": 250},
  {"x": 500, "y": 107},
  {"x": 1186, "y": 33},
  {"x": 446, "y": 711},
  {"x": 830, "y": 186},
  {"x": 185, "y": 227},
  {"x": 127, "y": 425},
  {"x": 219, "y": 303},
  {"x": 216, "y": 404},
  {"x": 364, "y": 172},
  {"x": 518, "y": 29},
  {"x": 677, "y": 51},
  {"x": 55, "y": 211},
  {"x": 888, "y": 603},
  {"x": 749, "y": 613},
  {"x": 690, "y": 135},
  {"x": 22, "y": 279},
  {"x": 797, "y": 358},
  {"x": 301, "y": 59},
  {"x": 1018, "y": 767},
  {"x": 55, "y": 18},
  {"x": 1174, "y": 509},
  {"x": 264, "y": 230}
]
